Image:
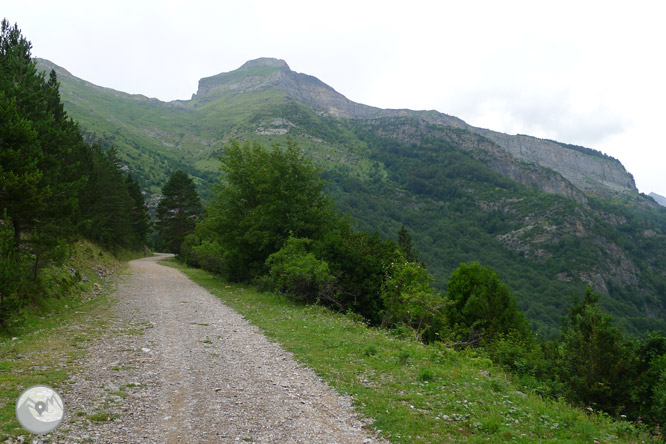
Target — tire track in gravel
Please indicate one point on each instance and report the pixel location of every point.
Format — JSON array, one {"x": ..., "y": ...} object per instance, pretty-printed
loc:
[{"x": 178, "y": 366}]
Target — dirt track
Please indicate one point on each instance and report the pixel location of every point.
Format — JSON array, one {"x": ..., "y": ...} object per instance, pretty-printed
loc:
[{"x": 178, "y": 366}]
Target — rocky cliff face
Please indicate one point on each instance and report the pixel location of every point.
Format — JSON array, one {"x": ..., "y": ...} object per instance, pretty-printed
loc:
[{"x": 593, "y": 173}]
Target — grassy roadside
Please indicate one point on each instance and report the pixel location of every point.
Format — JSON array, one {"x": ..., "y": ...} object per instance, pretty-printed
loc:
[
  {"x": 54, "y": 333},
  {"x": 414, "y": 393}
]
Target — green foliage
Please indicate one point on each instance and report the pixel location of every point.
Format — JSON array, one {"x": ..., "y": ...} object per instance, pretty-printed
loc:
[
  {"x": 523, "y": 356},
  {"x": 53, "y": 186},
  {"x": 10, "y": 273},
  {"x": 298, "y": 273},
  {"x": 358, "y": 260},
  {"x": 592, "y": 360},
  {"x": 648, "y": 377},
  {"x": 409, "y": 299},
  {"x": 443, "y": 183},
  {"x": 139, "y": 218},
  {"x": 479, "y": 304},
  {"x": 264, "y": 196},
  {"x": 416, "y": 393},
  {"x": 405, "y": 244},
  {"x": 178, "y": 211},
  {"x": 112, "y": 208}
]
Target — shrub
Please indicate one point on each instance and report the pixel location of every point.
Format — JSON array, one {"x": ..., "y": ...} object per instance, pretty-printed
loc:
[
  {"x": 187, "y": 249},
  {"x": 480, "y": 304},
  {"x": 208, "y": 255},
  {"x": 409, "y": 299},
  {"x": 358, "y": 261},
  {"x": 300, "y": 274},
  {"x": 521, "y": 355}
]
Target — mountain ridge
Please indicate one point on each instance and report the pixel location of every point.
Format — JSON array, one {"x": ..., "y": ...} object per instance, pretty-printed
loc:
[
  {"x": 572, "y": 164},
  {"x": 596, "y": 174},
  {"x": 550, "y": 217}
]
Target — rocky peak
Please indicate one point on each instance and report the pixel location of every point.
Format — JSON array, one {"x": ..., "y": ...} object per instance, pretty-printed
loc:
[
  {"x": 264, "y": 62},
  {"x": 265, "y": 73}
]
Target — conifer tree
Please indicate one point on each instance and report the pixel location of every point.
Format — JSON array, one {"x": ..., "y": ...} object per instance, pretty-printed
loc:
[
  {"x": 479, "y": 303},
  {"x": 178, "y": 211},
  {"x": 592, "y": 360}
]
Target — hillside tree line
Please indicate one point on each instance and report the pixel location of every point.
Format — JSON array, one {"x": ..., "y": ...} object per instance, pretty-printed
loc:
[
  {"x": 54, "y": 187},
  {"x": 272, "y": 224}
]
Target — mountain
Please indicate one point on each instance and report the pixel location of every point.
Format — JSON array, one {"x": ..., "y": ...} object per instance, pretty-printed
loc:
[
  {"x": 661, "y": 200},
  {"x": 550, "y": 217}
]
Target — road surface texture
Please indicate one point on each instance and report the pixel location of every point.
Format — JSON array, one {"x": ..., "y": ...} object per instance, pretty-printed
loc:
[{"x": 178, "y": 366}]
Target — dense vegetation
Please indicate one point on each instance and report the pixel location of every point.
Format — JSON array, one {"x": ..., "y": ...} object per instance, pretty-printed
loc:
[
  {"x": 54, "y": 187},
  {"x": 416, "y": 393},
  {"x": 272, "y": 224},
  {"x": 450, "y": 187},
  {"x": 177, "y": 213},
  {"x": 544, "y": 246}
]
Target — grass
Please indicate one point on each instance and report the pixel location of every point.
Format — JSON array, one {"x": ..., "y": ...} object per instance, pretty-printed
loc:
[
  {"x": 414, "y": 393},
  {"x": 54, "y": 334},
  {"x": 101, "y": 416}
]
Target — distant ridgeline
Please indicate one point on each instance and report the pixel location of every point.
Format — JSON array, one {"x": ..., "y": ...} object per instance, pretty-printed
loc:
[
  {"x": 661, "y": 200},
  {"x": 551, "y": 218}
]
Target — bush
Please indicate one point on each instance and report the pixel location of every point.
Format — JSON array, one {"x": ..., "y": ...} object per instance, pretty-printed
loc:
[
  {"x": 208, "y": 255},
  {"x": 358, "y": 261},
  {"x": 523, "y": 356},
  {"x": 409, "y": 300},
  {"x": 300, "y": 274},
  {"x": 480, "y": 304},
  {"x": 187, "y": 253}
]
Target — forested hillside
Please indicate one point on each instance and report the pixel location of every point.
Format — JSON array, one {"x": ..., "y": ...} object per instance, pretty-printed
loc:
[
  {"x": 551, "y": 218},
  {"x": 352, "y": 208},
  {"x": 54, "y": 187}
]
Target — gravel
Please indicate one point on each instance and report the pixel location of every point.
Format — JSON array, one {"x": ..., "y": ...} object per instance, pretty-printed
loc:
[{"x": 178, "y": 366}]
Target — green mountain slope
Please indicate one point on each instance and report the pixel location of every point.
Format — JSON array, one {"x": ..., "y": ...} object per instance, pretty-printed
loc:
[{"x": 551, "y": 218}]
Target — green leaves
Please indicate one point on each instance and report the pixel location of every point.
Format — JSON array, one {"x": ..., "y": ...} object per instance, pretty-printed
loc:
[
  {"x": 479, "y": 303},
  {"x": 178, "y": 211},
  {"x": 265, "y": 195},
  {"x": 410, "y": 300},
  {"x": 591, "y": 356},
  {"x": 299, "y": 273}
]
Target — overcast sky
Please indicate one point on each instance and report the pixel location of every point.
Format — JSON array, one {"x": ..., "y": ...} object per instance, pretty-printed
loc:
[{"x": 586, "y": 73}]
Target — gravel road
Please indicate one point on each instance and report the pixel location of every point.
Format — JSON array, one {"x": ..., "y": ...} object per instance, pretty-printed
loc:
[{"x": 178, "y": 366}]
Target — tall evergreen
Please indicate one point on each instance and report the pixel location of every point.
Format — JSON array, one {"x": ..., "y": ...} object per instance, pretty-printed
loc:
[
  {"x": 139, "y": 215},
  {"x": 178, "y": 211},
  {"x": 53, "y": 186}
]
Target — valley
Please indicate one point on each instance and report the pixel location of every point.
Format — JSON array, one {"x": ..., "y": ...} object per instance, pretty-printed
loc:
[{"x": 551, "y": 218}]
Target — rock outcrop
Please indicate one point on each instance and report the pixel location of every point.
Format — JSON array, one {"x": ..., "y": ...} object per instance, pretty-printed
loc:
[{"x": 591, "y": 171}]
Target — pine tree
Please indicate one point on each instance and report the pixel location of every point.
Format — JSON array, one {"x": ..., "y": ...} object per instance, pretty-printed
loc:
[
  {"x": 479, "y": 303},
  {"x": 592, "y": 361},
  {"x": 178, "y": 211},
  {"x": 405, "y": 244},
  {"x": 139, "y": 215}
]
